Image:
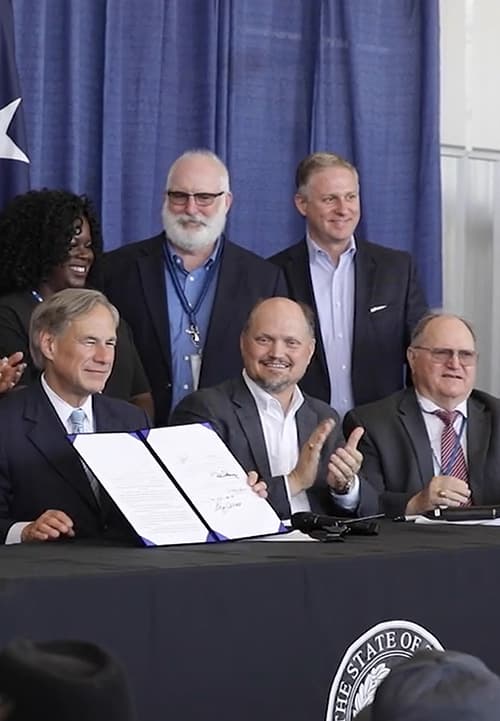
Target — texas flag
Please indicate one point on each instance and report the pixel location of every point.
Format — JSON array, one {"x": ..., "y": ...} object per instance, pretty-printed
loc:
[{"x": 14, "y": 163}]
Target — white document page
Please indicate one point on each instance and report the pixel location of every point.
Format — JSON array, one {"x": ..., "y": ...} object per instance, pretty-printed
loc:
[
  {"x": 214, "y": 481},
  {"x": 443, "y": 521},
  {"x": 138, "y": 485}
]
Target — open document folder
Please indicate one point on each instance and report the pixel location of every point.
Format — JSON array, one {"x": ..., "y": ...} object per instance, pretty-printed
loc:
[{"x": 177, "y": 485}]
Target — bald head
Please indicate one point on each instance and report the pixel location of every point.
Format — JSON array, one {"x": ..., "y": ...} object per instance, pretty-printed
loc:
[
  {"x": 199, "y": 164},
  {"x": 285, "y": 308},
  {"x": 442, "y": 357},
  {"x": 277, "y": 344}
]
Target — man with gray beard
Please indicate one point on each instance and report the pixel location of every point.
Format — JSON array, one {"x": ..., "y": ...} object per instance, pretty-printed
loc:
[
  {"x": 187, "y": 292},
  {"x": 293, "y": 441}
]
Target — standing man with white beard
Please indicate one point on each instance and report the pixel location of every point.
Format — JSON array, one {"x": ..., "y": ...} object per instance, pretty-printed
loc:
[{"x": 187, "y": 292}]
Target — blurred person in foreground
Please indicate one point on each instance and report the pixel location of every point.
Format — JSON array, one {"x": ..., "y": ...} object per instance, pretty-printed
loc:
[
  {"x": 436, "y": 686},
  {"x": 62, "y": 681}
]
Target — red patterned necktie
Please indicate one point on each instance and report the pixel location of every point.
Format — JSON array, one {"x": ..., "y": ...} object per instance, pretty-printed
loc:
[{"x": 453, "y": 461}]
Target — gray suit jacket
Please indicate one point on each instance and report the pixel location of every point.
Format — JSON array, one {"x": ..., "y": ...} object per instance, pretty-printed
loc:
[
  {"x": 397, "y": 452},
  {"x": 231, "y": 410}
]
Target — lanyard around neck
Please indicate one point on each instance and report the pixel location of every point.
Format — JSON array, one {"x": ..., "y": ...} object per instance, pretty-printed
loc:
[{"x": 189, "y": 309}]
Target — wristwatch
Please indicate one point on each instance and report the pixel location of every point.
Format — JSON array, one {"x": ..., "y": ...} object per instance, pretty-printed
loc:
[{"x": 345, "y": 488}]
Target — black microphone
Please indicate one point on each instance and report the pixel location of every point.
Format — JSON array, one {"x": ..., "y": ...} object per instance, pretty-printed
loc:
[{"x": 306, "y": 522}]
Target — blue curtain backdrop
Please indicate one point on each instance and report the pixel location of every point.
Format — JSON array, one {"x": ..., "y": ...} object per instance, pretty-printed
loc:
[
  {"x": 115, "y": 90},
  {"x": 14, "y": 163}
]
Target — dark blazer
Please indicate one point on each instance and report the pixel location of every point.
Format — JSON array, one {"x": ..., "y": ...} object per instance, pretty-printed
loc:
[
  {"x": 231, "y": 410},
  {"x": 133, "y": 277},
  {"x": 39, "y": 469},
  {"x": 128, "y": 377},
  {"x": 383, "y": 277},
  {"x": 397, "y": 453}
]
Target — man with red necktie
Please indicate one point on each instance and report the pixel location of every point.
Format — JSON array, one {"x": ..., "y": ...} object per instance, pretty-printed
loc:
[{"x": 438, "y": 443}]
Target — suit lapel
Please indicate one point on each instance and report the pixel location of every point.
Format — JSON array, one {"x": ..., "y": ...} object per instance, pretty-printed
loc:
[
  {"x": 306, "y": 421},
  {"x": 151, "y": 268},
  {"x": 365, "y": 267},
  {"x": 46, "y": 432},
  {"x": 298, "y": 275},
  {"x": 228, "y": 288},
  {"x": 478, "y": 441},
  {"x": 248, "y": 417},
  {"x": 411, "y": 418}
]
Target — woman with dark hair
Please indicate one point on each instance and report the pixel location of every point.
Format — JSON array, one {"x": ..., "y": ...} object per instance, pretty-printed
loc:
[{"x": 49, "y": 240}]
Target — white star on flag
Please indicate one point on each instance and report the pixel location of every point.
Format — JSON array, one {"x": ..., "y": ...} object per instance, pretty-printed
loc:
[{"x": 8, "y": 149}]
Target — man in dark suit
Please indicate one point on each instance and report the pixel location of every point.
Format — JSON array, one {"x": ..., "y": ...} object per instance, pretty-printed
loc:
[
  {"x": 293, "y": 441},
  {"x": 366, "y": 297},
  {"x": 187, "y": 292},
  {"x": 45, "y": 491},
  {"x": 437, "y": 444}
]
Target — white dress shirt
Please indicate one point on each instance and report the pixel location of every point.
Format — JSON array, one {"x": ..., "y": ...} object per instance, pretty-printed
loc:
[
  {"x": 63, "y": 410},
  {"x": 280, "y": 435},
  {"x": 282, "y": 444}
]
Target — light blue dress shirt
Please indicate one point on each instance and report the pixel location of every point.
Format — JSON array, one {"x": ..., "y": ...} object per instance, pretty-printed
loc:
[
  {"x": 333, "y": 287},
  {"x": 181, "y": 345}
]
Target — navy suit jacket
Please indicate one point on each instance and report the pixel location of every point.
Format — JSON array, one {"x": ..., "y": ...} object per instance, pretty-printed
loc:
[
  {"x": 133, "y": 277},
  {"x": 397, "y": 453},
  {"x": 39, "y": 469},
  {"x": 231, "y": 410},
  {"x": 384, "y": 279}
]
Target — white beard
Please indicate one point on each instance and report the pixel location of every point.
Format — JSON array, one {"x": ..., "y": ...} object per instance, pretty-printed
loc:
[{"x": 192, "y": 239}]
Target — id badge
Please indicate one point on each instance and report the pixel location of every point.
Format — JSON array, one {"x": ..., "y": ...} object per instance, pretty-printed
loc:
[{"x": 195, "y": 359}]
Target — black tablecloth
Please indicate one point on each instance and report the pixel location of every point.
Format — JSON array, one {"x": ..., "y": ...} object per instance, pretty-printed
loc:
[{"x": 252, "y": 631}]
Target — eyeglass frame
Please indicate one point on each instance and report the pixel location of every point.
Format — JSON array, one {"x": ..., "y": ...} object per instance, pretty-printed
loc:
[
  {"x": 465, "y": 357},
  {"x": 180, "y": 198}
]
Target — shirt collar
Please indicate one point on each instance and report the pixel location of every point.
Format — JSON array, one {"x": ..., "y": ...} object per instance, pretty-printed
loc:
[
  {"x": 265, "y": 400},
  {"x": 427, "y": 405},
  {"x": 62, "y": 408},
  {"x": 315, "y": 250},
  {"x": 177, "y": 260}
]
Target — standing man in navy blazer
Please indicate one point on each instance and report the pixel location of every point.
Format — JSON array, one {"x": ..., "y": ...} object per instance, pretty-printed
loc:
[
  {"x": 187, "y": 292},
  {"x": 45, "y": 491},
  {"x": 365, "y": 296}
]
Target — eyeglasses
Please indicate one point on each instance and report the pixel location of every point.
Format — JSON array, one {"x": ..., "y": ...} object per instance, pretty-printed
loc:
[
  {"x": 444, "y": 355},
  {"x": 178, "y": 197}
]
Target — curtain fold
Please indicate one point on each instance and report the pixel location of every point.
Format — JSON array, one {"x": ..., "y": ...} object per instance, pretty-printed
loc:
[{"x": 115, "y": 90}]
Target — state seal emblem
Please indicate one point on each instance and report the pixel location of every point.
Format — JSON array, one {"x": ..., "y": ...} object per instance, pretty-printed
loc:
[{"x": 369, "y": 660}]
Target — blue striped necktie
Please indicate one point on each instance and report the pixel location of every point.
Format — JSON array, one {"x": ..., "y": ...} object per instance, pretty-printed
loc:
[
  {"x": 453, "y": 461},
  {"x": 77, "y": 421}
]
